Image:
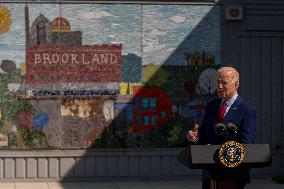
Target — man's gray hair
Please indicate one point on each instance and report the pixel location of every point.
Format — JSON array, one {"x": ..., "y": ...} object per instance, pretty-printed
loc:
[{"x": 230, "y": 69}]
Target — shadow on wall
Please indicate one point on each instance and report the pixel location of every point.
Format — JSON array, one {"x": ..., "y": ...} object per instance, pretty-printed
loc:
[{"x": 155, "y": 115}]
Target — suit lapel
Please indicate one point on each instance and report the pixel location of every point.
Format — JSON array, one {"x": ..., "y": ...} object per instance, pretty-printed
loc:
[
  {"x": 232, "y": 110},
  {"x": 216, "y": 108}
]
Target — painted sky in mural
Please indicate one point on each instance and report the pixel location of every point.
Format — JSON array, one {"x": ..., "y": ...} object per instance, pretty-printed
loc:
[{"x": 157, "y": 35}]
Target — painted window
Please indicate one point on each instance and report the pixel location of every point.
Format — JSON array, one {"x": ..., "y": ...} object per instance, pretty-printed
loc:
[
  {"x": 145, "y": 103},
  {"x": 139, "y": 120},
  {"x": 163, "y": 114},
  {"x": 153, "y": 103},
  {"x": 137, "y": 101},
  {"x": 153, "y": 121},
  {"x": 146, "y": 120}
]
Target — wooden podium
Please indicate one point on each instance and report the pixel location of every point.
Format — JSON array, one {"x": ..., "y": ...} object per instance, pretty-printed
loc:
[{"x": 205, "y": 157}]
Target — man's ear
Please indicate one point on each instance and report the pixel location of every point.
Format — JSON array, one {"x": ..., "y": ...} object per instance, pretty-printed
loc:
[{"x": 237, "y": 84}]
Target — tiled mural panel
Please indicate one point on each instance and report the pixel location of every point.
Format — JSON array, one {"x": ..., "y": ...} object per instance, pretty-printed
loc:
[{"x": 76, "y": 76}]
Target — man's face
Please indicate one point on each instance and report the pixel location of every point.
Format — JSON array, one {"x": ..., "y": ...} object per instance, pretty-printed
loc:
[{"x": 226, "y": 85}]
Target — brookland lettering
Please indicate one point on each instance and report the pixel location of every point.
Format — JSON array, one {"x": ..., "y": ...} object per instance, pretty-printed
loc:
[{"x": 78, "y": 58}]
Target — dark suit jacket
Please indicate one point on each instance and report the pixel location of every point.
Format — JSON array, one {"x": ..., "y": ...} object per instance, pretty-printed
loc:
[{"x": 241, "y": 114}]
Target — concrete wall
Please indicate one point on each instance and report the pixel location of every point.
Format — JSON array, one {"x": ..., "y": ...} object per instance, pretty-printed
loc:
[{"x": 105, "y": 164}]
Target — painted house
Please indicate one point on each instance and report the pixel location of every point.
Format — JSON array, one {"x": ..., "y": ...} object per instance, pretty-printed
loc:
[{"x": 151, "y": 108}]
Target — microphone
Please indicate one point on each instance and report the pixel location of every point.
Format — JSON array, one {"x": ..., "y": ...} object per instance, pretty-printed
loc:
[
  {"x": 220, "y": 129},
  {"x": 232, "y": 128}
]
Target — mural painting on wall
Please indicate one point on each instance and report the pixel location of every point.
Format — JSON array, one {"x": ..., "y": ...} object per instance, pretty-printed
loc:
[{"x": 95, "y": 76}]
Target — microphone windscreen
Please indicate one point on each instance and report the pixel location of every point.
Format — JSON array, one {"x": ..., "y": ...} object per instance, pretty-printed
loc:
[
  {"x": 220, "y": 128},
  {"x": 232, "y": 126}
]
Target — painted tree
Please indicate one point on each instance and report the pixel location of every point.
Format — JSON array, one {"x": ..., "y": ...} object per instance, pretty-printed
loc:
[
  {"x": 154, "y": 75},
  {"x": 24, "y": 120},
  {"x": 8, "y": 66},
  {"x": 190, "y": 86},
  {"x": 207, "y": 82},
  {"x": 131, "y": 68},
  {"x": 39, "y": 121}
]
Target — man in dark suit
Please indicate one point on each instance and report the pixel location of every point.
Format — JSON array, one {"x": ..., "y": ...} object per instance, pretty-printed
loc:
[{"x": 228, "y": 108}]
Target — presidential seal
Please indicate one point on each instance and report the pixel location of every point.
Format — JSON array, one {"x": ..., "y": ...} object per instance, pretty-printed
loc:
[{"x": 231, "y": 154}]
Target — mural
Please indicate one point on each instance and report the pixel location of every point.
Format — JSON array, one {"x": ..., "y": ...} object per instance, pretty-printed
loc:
[{"x": 96, "y": 76}]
